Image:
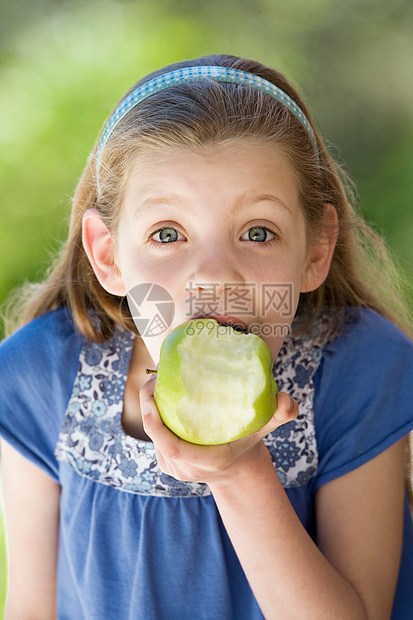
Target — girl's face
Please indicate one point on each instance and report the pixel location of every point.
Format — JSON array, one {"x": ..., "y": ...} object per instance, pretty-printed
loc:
[{"x": 223, "y": 232}]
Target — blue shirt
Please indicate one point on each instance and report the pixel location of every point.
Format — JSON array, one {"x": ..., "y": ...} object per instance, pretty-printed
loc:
[{"x": 136, "y": 543}]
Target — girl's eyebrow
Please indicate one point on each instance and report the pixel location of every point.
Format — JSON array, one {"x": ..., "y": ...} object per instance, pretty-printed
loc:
[
  {"x": 173, "y": 200},
  {"x": 242, "y": 202},
  {"x": 249, "y": 199}
]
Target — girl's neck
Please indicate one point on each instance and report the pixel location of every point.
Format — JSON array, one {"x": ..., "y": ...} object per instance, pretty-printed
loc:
[{"x": 136, "y": 378}]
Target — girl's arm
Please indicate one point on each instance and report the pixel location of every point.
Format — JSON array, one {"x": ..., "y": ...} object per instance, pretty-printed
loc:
[
  {"x": 31, "y": 503},
  {"x": 350, "y": 574}
]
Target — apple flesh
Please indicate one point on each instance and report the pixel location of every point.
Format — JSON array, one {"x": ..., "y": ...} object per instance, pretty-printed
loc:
[{"x": 214, "y": 383}]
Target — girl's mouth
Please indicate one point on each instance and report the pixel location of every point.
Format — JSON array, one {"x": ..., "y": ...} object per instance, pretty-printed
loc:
[{"x": 227, "y": 321}]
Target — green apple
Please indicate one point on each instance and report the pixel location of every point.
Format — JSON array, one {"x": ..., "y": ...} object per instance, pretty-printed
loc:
[{"x": 214, "y": 383}]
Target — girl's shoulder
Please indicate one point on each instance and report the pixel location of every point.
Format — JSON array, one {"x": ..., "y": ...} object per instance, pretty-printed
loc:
[
  {"x": 363, "y": 390},
  {"x": 366, "y": 331},
  {"x": 38, "y": 365},
  {"x": 49, "y": 333}
]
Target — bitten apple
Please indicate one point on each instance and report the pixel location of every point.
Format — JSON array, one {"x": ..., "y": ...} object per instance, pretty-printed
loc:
[{"x": 214, "y": 383}]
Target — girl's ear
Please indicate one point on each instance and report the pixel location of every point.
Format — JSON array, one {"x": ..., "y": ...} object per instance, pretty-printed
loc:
[
  {"x": 100, "y": 249},
  {"x": 319, "y": 255}
]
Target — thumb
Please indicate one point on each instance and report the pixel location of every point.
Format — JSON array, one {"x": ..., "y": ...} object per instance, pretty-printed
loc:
[{"x": 287, "y": 410}]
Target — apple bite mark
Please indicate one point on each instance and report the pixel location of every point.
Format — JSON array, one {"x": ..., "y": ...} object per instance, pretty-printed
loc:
[{"x": 214, "y": 383}]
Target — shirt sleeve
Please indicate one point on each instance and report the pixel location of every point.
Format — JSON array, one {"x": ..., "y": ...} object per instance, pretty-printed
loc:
[
  {"x": 363, "y": 400},
  {"x": 38, "y": 366}
]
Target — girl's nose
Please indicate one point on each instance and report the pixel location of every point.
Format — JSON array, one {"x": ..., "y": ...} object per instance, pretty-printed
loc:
[
  {"x": 218, "y": 285},
  {"x": 216, "y": 268}
]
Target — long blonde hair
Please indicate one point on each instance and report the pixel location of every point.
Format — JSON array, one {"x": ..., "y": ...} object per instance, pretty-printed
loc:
[{"x": 362, "y": 273}]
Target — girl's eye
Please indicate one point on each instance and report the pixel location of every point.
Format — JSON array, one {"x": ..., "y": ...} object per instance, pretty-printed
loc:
[
  {"x": 259, "y": 234},
  {"x": 165, "y": 235}
]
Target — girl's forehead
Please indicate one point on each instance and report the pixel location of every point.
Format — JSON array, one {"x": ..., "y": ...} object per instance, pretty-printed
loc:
[
  {"x": 235, "y": 170},
  {"x": 229, "y": 154}
]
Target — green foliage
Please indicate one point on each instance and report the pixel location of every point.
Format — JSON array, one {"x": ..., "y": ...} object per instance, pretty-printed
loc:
[{"x": 63, "y": 65}]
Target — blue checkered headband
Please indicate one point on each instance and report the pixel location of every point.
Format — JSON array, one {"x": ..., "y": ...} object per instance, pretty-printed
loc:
[{"x": 193, "y": 74}]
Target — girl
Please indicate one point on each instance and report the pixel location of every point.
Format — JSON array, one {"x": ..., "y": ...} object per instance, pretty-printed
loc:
[{"x": 209, "y": 193}]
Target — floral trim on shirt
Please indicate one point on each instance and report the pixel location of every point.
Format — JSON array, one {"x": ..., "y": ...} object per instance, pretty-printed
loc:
[
  {"x": 93, "y": 442},
  {"x": 292, "y": 446}
]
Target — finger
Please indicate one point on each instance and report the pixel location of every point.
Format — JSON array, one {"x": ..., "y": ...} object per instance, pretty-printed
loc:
[
  {"x": 148, "y": 388},
  {"x": 150, "y": 414},
  {"x": 165, "y": 440},
  {"x": 287, "y": 408}
]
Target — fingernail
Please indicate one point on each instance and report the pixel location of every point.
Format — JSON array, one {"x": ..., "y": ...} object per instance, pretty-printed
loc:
[{"x": 290, "y": 405}]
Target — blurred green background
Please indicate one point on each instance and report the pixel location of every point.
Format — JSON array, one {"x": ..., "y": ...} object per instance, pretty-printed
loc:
[{"x": 63, "y": 65}]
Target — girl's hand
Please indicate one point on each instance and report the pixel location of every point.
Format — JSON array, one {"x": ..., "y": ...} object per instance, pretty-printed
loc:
[{"x": 209, "y": 464}]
